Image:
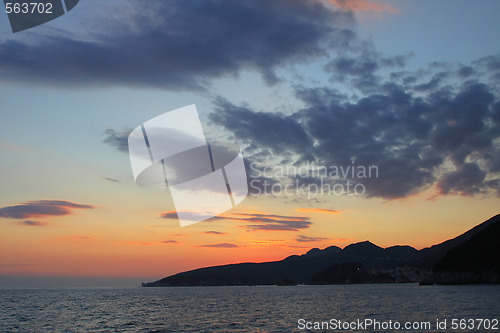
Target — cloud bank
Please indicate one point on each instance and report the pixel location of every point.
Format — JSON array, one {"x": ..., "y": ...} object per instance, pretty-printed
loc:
[
  {"x": 435, "y": 127},
  {"x": 180, "y": 45},
  {"x": 307, "y": 239},
  {"x": 41, "y": 208},
  {"x": 257, "y": 221},
  {"x": 220, "y": 245},
  {"x": 419, "y": 131}
]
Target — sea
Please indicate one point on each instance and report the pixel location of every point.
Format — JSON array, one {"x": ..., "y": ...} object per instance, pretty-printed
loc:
[{"x": 332, "y": 308}]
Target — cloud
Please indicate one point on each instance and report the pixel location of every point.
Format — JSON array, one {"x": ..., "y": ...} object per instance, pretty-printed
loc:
[
  {"x": 220, "y": 245},
  {"x": 414, "y": 126},
  {"x": 468, "y": 179},
  {"x": 193, "y": 216},
  {"x": 169, "y": 215},
  {"x": 33, "y": 223},
  {"x": 117, "y": 140},
  {"x": 260, "y": 128},
  {"x": 111, "y": 179},
  {"x": 317, "y": 210},
  {"x": 412, "y": 136},
  {"x": 179, "y": 44},
  {"x": 257, "y": 221},
  {"x": 41, "y": 208},
  {"x": 210, "y": 232},
  {"x": 255, "y": 173},
  {"x": 267, "y": 242},
  {"x": 306, "y": 239},
  {"x": 360, "y": 67},
  {"x": 268, "y": 222},
  {"x": 170, "y": 241}
]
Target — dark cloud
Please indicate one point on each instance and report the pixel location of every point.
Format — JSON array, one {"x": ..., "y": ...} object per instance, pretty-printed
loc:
[
  {"x": 220, "y": 245},
  {"x": 432, "y": 84},
  {"x": 169, "y": 215},
  {"x": 411, "y": 125},
  {"x": 170, "y": 241},
  {"x": 260, "y": 128},
  {"x": 33, "y": 223},
  {"x": 253, "y": 222},
  {"x": 465, "y": 71},
  {"x": 490, "y": 63},
  {"x": 495, "y": 115},
  {"x": 257, "y": 182},
  {"x": 172, "y": 215},
  {"x": 117, "y": 140},
  {"x": 345, "y": 66},
  {"x": 467, "y": 180},
  {"x": 111, "y": 180},
  {"x": 410, "y": 133},
  {"x": 179, "y": 44},
  {"x": 41, "y": 208},
  {"x": 267, "y": 222},
  {"x": 306, "y": 239},
  {"x": 360, "y": 67},
  {"x": 210, "y": 232}
]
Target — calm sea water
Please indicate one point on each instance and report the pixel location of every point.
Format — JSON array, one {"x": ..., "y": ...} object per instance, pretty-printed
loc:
[{"x": 239, "y": 309}]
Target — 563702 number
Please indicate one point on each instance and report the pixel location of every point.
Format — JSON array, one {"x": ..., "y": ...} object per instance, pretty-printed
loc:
[
  {"x": 474, "y": 324},
  {"x": 28, "y": 8}
]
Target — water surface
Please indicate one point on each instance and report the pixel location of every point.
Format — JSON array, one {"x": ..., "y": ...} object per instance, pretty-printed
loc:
[{"x": 238, "y": 309}]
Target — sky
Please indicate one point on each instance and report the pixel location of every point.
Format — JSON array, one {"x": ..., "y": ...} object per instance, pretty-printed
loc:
[{"x": 408, "y": 88}]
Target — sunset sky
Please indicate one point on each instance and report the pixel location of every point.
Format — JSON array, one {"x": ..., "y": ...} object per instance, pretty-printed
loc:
[{"x": 411, "y": 87}]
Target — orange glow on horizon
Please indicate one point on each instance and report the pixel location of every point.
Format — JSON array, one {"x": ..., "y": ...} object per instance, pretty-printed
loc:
[
  {"x": 97, "y": 243},
  {"x": 342, "y": 240}
]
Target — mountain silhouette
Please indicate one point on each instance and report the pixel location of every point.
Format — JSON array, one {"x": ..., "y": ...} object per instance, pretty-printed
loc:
[
  {"x": 431, "y": 255},
  {"x": 475, "y": 261},
  {"x": 362, "y": 262}
]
